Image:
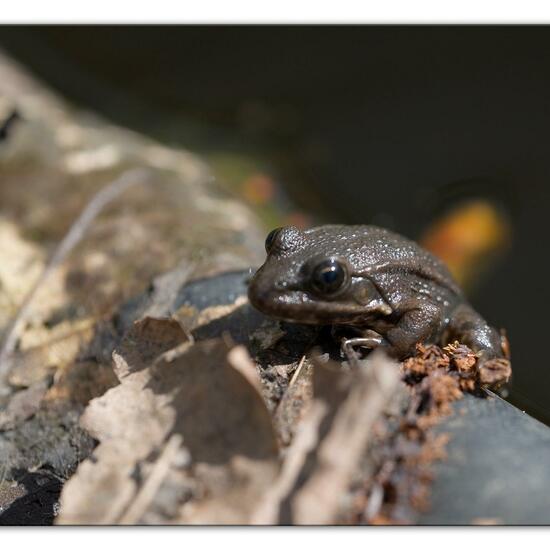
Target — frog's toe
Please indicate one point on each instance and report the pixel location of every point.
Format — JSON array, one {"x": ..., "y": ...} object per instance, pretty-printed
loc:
[{"x": 370, "y": 340}]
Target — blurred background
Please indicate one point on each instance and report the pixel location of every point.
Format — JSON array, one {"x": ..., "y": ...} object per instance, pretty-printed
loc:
[{"x": 440, "y": 133}]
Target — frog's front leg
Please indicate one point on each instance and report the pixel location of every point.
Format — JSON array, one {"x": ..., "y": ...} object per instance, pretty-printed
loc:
[
  {"x": 469, "y": 328},
  {"x": 369, "y": 339},
  {"x": 421, "y": 323}
]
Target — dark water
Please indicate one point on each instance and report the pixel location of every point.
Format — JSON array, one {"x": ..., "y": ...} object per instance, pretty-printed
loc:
[{"x": 360, "y": 124}]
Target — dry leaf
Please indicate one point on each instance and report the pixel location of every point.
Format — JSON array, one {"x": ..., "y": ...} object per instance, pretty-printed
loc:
[
  {"x": 330, "y": 443},
  {"x": 145, "y": 341},
  {"x": 193, "y": 395}
]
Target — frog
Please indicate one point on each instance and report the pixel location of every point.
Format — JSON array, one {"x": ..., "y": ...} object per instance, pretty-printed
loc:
[{"x": 383, "y": 288}]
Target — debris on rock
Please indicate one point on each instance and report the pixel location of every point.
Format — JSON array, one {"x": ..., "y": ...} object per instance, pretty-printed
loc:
[
  {"x": 436, "y": 377},
  {"x": 495, "y": 371}
]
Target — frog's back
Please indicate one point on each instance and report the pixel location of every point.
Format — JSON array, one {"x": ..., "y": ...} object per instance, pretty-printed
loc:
[{"x": 379, "y": 252}]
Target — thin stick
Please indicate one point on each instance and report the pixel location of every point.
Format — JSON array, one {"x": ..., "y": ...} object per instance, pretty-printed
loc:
[
  {"x": 297, "y": 371},
  {"x": 306, "y": 439},
  {"x": 316, "y": 501},
  {"x": 151, "y": 486},
  {"x": 295, "y": 376},
  {"x": 71, "y": 239}
]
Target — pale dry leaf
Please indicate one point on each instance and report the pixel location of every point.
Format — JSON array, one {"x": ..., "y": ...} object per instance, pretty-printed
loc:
[
  {"x": 146, "y": 340},
  {"x": 21, "y": 263},
  {"x": 45, "y": 349},
  {"x": 337, "y": 458},
  {"x": 213, "y": 313},
  {"x": 193, "y": 392},
  {"x": 294, "y": 402},
  {"x": 305, "y": 441},
  {"x": 219, "y": 412},
  {"x": 230, "y": 436},
  {"x": 153, "y": 482},
  {"x": 330, "y": 442},
  {"x": 239, "y": 359},
  {"x": 129, "y": 420}
]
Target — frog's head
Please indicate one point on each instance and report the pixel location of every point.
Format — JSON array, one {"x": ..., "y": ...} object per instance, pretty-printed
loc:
[{"x": 309, "y": 278}]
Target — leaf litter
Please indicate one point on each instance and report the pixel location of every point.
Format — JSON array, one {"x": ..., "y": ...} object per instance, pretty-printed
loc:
[{"x": 190, "y": 435}]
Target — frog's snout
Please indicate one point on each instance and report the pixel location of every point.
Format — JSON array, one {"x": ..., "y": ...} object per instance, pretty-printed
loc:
[
  {"x": 267, "y": 295},
  {"x": 260, "y": 291}
]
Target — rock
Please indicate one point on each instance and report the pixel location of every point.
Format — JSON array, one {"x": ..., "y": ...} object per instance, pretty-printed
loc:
[{"x": 496, "y": 468}]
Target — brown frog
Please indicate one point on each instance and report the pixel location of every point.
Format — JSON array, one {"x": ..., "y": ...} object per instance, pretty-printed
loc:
[{"x": 389, "y": 289}]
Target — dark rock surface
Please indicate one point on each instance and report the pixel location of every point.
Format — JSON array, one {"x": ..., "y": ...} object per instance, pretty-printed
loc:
[
  {"x": 34, "y": 500},
  {"x": 497, "y": 468}
]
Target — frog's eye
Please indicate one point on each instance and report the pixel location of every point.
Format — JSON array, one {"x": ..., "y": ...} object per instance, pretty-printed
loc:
[
  {"x": 329, "y": 277},
  {"x": 270, "y": 239}
]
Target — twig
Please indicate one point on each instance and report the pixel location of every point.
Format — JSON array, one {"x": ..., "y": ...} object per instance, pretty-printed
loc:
[
  {"x": 72, "y": 238},
  {"x": 317, "y": 500},
  {"x": 318, "y": 466},
  {"x": 297, "y": 371},
  {"x": 151, "y": 486},
  {"x": 305, "y": 440},
  {"x": 293, "y": 380}
]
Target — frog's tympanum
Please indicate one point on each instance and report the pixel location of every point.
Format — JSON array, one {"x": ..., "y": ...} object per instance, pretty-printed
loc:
[{"x": 389, "y": 289}]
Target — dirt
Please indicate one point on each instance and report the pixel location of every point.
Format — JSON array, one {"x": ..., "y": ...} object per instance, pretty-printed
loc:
[{"x": 435, "y": 377}]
